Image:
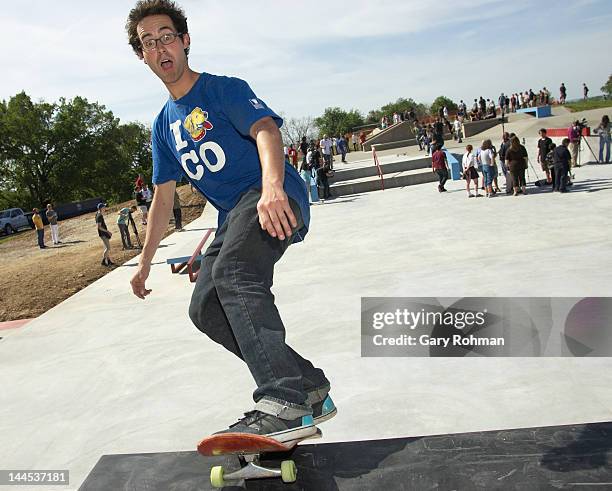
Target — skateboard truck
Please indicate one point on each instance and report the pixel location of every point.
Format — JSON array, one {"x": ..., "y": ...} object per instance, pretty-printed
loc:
[{"x": 251, "y": 469}]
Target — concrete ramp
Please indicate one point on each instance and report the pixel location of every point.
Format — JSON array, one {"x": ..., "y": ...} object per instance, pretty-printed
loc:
[
  {"x": 397, "y": 132},
  {"x": 554, "y": 457}
]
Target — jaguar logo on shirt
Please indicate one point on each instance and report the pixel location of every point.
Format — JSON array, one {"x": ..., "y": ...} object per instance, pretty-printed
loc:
[{"x": 197, "y": 123}]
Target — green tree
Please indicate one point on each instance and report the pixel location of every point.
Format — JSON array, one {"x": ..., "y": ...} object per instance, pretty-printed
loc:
[
  {"x": 336, "y": 121},
  {"x": 607, "y": 88},
  {"x": 399, "y": 106},
  {"x": 440, "y": 102},
  {"x": 67, "y": 151}
]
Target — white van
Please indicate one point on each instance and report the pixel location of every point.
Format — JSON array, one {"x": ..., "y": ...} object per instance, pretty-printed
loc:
[{"x": 12, "y": 220}]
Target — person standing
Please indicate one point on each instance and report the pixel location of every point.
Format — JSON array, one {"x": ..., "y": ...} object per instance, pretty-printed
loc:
[
  {"x": 104, "y": 235},
  {"x": 486, "y": 158},
  {"x": 142, "y": 205},
  {"x": 123, "y": 216},
  {"x": 573, "y": 133},
  {"x": 503, "y": 148},
  {"x": 263, "y": 209},
  {"x": 52, "y": 219},
  {"x": 544, "y": 147},
  {"x": 603, "y": 130},
  {"x": 40, "y": 228},
  {"x": 326, "y": 149},
  {"x": 585, "y": 91},
  {"x": 516, "y": 158},
  {"x": 304, "y": 149},
  {"x": 439, "y": 166},
  {"x": 438, "y": 132},
  {"x": 457, "y": 127},
  {"x": 323, "y": 179},
  {"x": 293, "y": 156},
  {"x": 178, "y": 213},
  {"x": 306, "y": 172},
  {"x": 362, "y": 140},
  {"x": 562, "y": 93},
  {"x": 354, "y": 141},
  {"x": 342, "y": 148},
  {"x": 148, "y": 196},
  {"x": 561, "y": 160},
  {"x": 470, "y": 174}
]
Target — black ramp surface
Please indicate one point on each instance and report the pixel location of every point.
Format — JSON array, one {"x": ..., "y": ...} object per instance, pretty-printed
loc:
[{"x": 554, "y": 457}]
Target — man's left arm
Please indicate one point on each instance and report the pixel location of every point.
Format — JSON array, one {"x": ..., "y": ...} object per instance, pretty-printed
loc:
[{"x": 275, "y": 213}]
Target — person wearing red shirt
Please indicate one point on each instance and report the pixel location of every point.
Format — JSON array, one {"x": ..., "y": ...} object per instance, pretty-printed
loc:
[
  {"x": 362, "y": 139},
  {"x": 439, "y": 165},
  {"x": 293, "y": 156}
]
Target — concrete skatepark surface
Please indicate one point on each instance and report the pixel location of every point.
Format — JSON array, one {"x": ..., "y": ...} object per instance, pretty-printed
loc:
[{"x": 105, "y": 373}]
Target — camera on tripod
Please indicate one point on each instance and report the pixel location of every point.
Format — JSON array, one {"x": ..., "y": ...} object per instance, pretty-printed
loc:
[{"x": 582, "y": 124}]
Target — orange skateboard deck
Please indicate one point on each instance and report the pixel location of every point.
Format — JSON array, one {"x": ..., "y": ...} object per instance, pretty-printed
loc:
[{"x": 240, "y": 444}]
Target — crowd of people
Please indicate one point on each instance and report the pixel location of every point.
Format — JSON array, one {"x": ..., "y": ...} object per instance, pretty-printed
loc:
[
  {"x": 124, "y": 220},
  {"x": 557, "y": 162},
  {"x": 143, "y": 197},
  {"x": 317, "y": 162}
]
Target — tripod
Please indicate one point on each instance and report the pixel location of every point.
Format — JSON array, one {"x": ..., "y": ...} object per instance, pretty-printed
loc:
[
  {"x": 131, "y": 220},
  {"x": 588, "y": 145},
  {"x": 532, "y": 167}
]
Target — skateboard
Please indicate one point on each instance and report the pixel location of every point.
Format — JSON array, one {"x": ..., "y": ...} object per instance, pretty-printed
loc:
[{"x": 249, "y": 449}]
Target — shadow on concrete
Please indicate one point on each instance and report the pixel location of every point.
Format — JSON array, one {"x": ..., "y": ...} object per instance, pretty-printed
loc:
[
  {"x": 336, "y": 201},
  {"x": 135, "y": 265},
  {"x": 591, "y": 185},
  {"x": 582, "y": 449},
  {"x": 65, "y": 243},
  {"x": 524, "y": 458}
]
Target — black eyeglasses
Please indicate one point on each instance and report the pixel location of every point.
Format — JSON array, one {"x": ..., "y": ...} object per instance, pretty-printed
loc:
[{"x": 151, "y": 43}]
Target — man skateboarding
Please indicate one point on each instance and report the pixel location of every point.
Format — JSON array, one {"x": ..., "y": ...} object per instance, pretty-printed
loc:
[{"x": 227, "y": 142}]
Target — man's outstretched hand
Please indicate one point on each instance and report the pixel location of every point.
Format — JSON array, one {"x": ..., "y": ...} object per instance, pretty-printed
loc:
[
  {"x": 138, "y": 281},
  {"x": 275, "y": 213}
]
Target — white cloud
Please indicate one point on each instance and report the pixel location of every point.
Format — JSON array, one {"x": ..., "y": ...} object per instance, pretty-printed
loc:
[{"x": 73, "y": 48}]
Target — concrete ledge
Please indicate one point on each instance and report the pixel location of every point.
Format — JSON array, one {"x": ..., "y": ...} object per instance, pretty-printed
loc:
[
  {"x": 472, "y": 128},
  {"x": 403, "y": 143},
  {"x": 538, "y": 112},
  {"x": 396, "y": 144},
  {"x": 370, "y": 171},
  {"x": 400, "y": 179}
]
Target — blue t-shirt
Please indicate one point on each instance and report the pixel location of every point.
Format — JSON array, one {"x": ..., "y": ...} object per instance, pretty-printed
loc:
[{"x": 205, "y": 135}]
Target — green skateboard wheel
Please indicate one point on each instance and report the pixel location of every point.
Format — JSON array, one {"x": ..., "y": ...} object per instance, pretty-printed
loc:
[
  {"x": 216, "y": 477},
  {"x": 288, "y": 471}
]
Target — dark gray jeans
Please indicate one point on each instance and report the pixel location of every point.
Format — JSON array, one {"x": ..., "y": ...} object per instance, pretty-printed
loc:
[{"x": 233, "y": 305}]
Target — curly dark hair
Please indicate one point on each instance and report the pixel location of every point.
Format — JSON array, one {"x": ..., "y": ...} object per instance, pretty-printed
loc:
[{"x": 145, "y": 8}]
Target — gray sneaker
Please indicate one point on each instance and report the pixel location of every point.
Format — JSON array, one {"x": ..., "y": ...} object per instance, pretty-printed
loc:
[{"x": 283, "y": 430}]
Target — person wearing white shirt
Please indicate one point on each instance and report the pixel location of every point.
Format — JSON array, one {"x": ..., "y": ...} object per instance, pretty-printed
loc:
[
  {"x": 457, "y": 128},
  {"x": 470, "y": 174},
  {"x": 488, "y": 166},
  {"x": 326, "y": 146}
]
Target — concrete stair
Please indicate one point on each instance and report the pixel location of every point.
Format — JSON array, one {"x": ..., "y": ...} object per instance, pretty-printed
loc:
[{"x": 365, "y": 178}]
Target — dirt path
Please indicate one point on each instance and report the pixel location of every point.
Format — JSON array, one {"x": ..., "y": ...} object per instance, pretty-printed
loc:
[{"x": 33, "y": 280}]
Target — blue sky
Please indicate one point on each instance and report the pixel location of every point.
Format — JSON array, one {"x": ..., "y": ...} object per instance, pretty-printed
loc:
[{"x": 301, "y": 57}]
